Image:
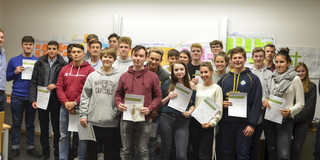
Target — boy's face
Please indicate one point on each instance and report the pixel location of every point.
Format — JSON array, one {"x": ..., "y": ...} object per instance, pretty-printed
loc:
[
  {"x": 258, "y": 58},
  {"x": 215, "y": 49},
  {"x": 77, "y": 54},
  {"x": 238, "y": 60},
  {"x": 196, "y": 53},
  {"x": 27, "y": 47},
  {"x": 270, "y": 52},
  {"x": 107, "y": 60},
  {"x": 95, "y": 49},
  {"x": 1, "y": 39},
  {"x": 113, "y": 42},
  {"x": 172, "y": 59},
  {"x": 52, "y": 51},
  {"x": 138, "y": 58},
  {"x": 154, "y": 60},
  {"x": 124, "y": 49}
]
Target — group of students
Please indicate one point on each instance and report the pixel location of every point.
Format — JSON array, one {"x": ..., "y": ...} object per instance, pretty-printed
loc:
[{"x": 95, "y": 85}]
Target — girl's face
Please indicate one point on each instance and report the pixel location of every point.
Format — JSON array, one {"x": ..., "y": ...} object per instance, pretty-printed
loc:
[
  {"x": 281, "y": 64},
  {"x": 184, "y": 58},
  {"x": 220, "y": 63},
  {"x": 206, "y": 74},
  {"x": 302, "y": 72},
  {"x": 179, "y": 71}
]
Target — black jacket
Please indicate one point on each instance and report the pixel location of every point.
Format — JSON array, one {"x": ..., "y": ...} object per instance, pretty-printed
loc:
[{"x": 38, "y": 73}]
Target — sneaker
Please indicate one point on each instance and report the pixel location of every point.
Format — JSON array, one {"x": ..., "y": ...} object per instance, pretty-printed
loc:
[
  {"x": 33, "y": 152},
  {"x": 100, "y": 156},
  {"x": 15, "y": 153}
]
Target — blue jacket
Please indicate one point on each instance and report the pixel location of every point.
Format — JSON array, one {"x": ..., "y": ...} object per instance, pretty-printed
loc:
[{"x": 244, "y": 82}]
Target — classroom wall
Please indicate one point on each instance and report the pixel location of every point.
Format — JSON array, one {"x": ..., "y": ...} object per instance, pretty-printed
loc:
[
  {"x": 294, "y": 22},
  {"x": 1, "y": 10}
]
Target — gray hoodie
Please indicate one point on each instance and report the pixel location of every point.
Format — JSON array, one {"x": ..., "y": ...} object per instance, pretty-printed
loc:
[
  {"x": 97, "y": 99},
  {"x": 122, "y": 65}
]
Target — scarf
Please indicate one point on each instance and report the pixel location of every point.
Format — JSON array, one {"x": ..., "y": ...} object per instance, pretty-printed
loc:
[{"x": 280, "y": 83}]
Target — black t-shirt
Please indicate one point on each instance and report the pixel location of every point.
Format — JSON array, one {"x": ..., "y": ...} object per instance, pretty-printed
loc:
[{"x": 192, "y": 69}]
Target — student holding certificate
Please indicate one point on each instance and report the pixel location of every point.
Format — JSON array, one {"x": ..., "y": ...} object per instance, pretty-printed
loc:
[
  {"x": 173, "y": 124},
  {"x": 258, "y": 56},
  {"x": 140, "y": 82},
  {"x": 285, "y": 83},
  {"x": 98, "y": 109},
  {"x": 239, "y": 120},
  {"x": 202, "y": 135},
  {"x": 303, "y": 120}
]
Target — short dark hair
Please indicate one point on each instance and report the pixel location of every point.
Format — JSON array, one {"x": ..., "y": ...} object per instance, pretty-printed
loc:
[
  {"x": 271, "y": 46},
  {"x": 55, "y": 43},
  {"x": 137, "y": 48},
  {"x": 216, "y": 42},
  {"x": 28, "y": 39},
  {"x": 77, "y": 45},
  {"x": 237, "y": 50},
  {"x": 92, "y": 36},
  {"x": 95, "y": 41},
  {"x": 173, "y": 52},
  {"x": 113, "y": 35},
  {"x": 69, "y": 48}
]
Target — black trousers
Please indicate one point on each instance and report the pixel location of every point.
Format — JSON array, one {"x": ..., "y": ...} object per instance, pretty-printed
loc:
[
  {"x": 53, "y": 112},
  {"x": 110, "y": 137}
]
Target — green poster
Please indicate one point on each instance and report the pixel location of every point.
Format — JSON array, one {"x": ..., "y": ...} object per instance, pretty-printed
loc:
[
  {"x": 248, "y": 45},
  {"x": 239, "y": 42},
  {"x": 229, "y": 44}
]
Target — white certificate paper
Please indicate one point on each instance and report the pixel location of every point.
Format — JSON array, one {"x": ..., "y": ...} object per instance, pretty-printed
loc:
[
  {"x": 181, "y": 102},
  {"x": 74, "y": 120},
  {"x": 273, "y": 114},
  {"x": 134, "y": 104},
  {"x": 205, "y": 111},
  {"x": 86, "y": 133},
  {"x": 28, "y": 68},
  {"x": 43, "y": 97},
  {"x": 197, "y": 75},
  {"x": 239, "y": 105}
]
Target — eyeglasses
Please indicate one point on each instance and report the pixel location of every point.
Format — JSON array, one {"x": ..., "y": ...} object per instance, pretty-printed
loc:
[
  {"x": 213, "y": 47},
  {"x": 195, "y": 51}
]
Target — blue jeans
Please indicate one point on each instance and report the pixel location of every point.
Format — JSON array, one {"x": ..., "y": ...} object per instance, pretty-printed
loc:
[
  {"x": 173, "y": 129},
  {"x": 64, "y": 142},
  {"x": 278, "y": 138},
  {"x": 18, "y": 106},
  {"x": 3, "y": 101},
  {"x": 233, "y": 143},
  {"x": 140, "y": 131}
]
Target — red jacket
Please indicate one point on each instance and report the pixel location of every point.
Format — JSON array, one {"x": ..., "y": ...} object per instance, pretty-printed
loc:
[
  {"x": 71, "y": 80},
  {"x": 143, "y": 82}
]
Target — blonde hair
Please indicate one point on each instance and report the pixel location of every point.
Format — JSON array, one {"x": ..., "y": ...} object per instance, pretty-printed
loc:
[
  {"x": 306, "y": 81},
  {"x": 125, "y": 40},
  {"x": 196, "y": 45},
  {"x": 207, "y": 64}
]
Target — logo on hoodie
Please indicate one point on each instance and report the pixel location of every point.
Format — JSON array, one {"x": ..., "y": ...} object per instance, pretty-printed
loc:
[{"x": 243, "y": 82}]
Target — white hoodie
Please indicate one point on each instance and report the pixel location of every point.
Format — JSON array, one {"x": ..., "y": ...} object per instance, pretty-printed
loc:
[
  {"x": 122, "y": 65},
  {"x": 264, "y": 75},
  {"x": 97, "y": 99}
]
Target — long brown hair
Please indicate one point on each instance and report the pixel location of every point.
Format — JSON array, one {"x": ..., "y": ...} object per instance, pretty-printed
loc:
[
  {"x": 174, "y": 79},
  {"x": 306, "y": 81}
]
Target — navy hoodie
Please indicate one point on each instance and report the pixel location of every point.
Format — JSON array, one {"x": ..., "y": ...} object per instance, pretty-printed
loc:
[{"x": 244, "y": 82}]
